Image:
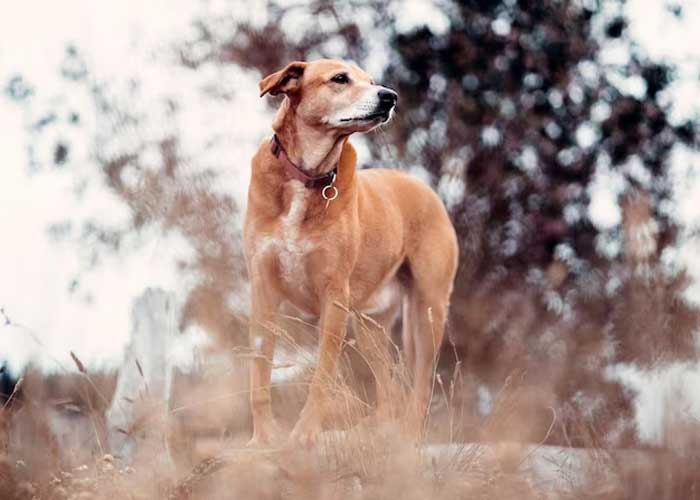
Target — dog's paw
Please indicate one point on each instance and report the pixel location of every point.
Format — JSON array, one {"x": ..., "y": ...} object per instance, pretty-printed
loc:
[
  {"x": 306, "y": 431},
  {"x": 265, "y": 435},
  {"x": 258, "y": 442}
]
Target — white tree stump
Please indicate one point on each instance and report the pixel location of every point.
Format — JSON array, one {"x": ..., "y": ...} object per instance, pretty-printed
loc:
[{"x": 138, "y": 414}]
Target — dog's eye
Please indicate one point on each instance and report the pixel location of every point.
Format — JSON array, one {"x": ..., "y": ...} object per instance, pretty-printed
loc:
[{"x": 341, "y": 78}]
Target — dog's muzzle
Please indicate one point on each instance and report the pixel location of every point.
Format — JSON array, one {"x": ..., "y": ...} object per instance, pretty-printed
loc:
[{"x": 385, "y": 103}]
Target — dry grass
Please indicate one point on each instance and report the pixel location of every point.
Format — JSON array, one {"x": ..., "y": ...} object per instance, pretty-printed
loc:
[{"x": 53, "y": 444}]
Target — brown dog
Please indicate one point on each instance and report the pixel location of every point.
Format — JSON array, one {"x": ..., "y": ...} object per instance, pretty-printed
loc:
[{"x": 319, "y": 234}]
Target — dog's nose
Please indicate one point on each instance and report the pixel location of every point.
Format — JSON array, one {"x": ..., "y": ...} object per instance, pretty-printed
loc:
[{"x": 388, "y": 97}]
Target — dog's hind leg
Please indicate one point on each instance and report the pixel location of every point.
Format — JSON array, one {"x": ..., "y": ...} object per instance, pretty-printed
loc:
[
  {"x": 433, "y": 268},
  {"x": 429, "y": 315},
  {"x": 408, "y": 322}
]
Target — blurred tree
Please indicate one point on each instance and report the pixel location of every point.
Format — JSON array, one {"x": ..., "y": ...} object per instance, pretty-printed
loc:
[
  {"x": 506, "y": 102},
  {"x": 508, "y": 109}
]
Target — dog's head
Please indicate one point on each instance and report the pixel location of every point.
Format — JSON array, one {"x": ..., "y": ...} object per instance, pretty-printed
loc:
[{"x": 333, "y": 95}]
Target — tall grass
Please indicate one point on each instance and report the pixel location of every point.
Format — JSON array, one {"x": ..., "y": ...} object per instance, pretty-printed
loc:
[{"x": 363, "y": 453}]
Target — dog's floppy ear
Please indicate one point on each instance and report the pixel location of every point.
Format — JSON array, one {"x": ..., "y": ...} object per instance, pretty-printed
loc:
[{"x": 284, "y": 81}]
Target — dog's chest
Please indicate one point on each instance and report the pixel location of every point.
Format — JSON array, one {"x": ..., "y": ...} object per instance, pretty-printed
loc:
[{"x": 287, "y": 243}]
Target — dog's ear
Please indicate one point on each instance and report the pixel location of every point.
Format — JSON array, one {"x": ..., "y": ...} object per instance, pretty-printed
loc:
[{"x": 284, "y": 81}]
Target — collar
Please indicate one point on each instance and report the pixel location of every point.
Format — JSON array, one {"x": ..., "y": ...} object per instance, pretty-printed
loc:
[{"x": 296, "y": 172}]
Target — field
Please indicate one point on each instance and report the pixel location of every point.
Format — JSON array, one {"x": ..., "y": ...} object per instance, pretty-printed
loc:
[{"x": 56, "y": 439}]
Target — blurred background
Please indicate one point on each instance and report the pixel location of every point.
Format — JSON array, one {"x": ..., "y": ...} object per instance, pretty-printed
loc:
[{"x": 561, "y": 134}]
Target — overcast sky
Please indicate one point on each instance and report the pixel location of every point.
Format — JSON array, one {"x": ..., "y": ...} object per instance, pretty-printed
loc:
[{"x": 118, "y": 39}]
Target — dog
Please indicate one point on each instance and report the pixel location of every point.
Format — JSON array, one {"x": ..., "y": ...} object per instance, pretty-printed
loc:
[{"x": 326, "y": 238}]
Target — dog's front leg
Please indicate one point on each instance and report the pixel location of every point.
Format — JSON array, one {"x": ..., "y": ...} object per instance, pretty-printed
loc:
[
  {"x": 332, "y": 334},
  {"x": 264, "y": 305}
]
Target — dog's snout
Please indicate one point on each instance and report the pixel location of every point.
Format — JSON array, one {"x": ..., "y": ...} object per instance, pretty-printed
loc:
[{"x": 387, "y": 97}]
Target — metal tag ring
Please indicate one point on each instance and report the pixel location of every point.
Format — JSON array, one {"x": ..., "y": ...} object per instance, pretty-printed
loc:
[{"x": 333, "y": 196}]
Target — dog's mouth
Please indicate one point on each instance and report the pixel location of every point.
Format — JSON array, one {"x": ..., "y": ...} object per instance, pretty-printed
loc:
[{"x": 382, "y": 116}]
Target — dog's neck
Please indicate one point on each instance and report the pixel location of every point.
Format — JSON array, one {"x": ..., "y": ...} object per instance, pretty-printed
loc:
[{"x": 315, "y": 152}]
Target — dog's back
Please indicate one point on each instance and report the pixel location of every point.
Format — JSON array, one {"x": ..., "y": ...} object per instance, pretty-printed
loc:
[{"x": 422, "y": 217}]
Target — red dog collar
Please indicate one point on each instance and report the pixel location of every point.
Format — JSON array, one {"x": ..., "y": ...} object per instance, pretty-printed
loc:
[{"x": 297, "y": 173}]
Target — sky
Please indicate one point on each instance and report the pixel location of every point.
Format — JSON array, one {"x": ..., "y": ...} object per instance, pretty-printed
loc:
[{"x": 119, "y": 39}]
